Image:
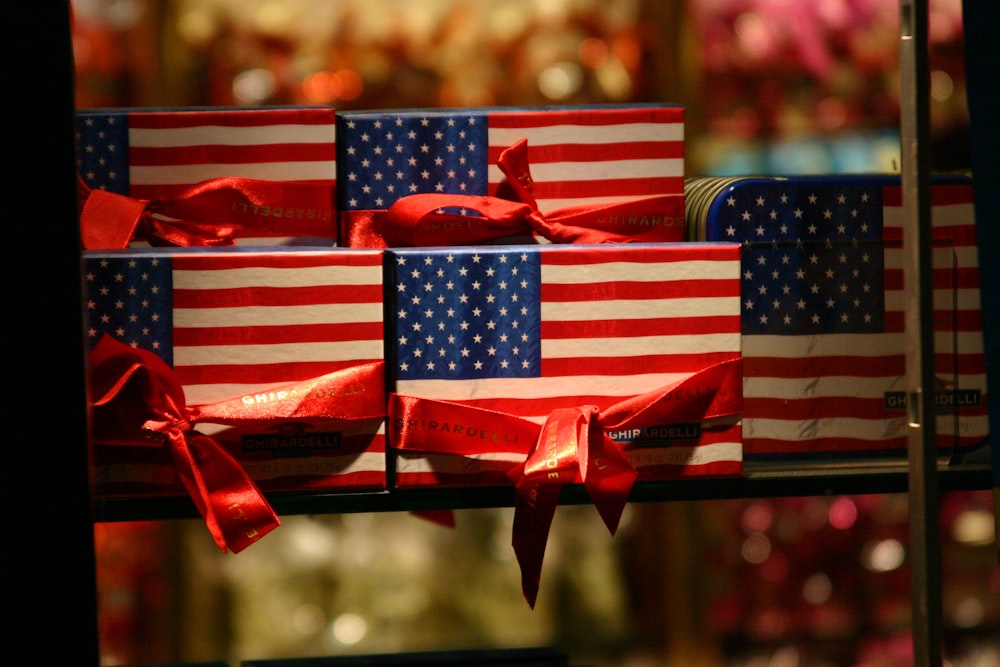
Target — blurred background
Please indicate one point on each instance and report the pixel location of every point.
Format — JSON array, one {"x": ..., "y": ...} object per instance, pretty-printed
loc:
[{"x": 770, "y": 87}]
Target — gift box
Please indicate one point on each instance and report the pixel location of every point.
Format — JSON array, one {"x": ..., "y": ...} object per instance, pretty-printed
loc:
[
  {"x": 585, "y": 174},
  {"x": 276, "y": 356},
  {"x": 489, "y": 345},
  {"x": 824, "y": 353},
  {"x": 207, "y": 176}
]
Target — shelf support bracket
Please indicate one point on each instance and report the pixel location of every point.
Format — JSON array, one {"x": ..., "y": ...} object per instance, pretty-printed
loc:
[{"x": 924, "y": 548}]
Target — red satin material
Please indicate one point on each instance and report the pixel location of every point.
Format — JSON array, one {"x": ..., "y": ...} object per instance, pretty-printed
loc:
[
  {"x": 355, "y": 393},
  {"x": 572, "y": 446},
  {"x": 134, "y": 395},
  {"x": 418, "y": 221},
  {"x": 415, "y": 221},
  {"x": 212, "y": 213},
  {"x": 361, "y": 229},
  {"x": 417, "y": 426},
  {"x": 579, "y": 436}
]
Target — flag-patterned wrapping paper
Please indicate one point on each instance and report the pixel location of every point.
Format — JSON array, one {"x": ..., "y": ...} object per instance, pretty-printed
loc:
[
  {"x": 159, "y": 154},
  {"x": 241, "y": 324},
  {"x": 578, "y": 156},
  {"x": 823, "y": 315},
  {"x": 526, "y": 329}
]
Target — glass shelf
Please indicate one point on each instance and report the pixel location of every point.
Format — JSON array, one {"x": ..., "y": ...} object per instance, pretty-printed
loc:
[{"x": 759, "y": 481}]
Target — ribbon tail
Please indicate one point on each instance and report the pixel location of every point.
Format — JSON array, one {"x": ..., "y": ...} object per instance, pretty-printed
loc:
[
  {"x": 240, "y": 508},
  {"x": 513, "y": 162},
  {"x": 233, "y": 508},
  {"x": 194, "y": 482},
  {"x": 609, "y": 479},
  {"x": 533, "y": 513}
]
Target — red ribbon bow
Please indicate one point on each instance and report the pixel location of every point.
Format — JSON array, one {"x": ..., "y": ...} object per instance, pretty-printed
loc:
[
  {"x": 572, "y": 446},
  {"x": 210, "y": 213},
  {"x": 423, "y": 220},
  {"x": 135, "y": 392}
]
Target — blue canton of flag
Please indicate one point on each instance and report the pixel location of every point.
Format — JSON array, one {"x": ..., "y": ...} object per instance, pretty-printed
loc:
[
  {"x": 812, "y": 259},
  {"x": 103, "y": 152},
  {"x": 468, "y": 315},
  {"x": 130, "y": 298},
  {"x": 391, "y": 158}
]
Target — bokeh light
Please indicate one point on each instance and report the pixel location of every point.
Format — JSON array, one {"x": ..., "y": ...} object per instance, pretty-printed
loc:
[
  {"x": 254, "y": 87},
  {"x": 883, "y": 555},
  {"x": 817, "y": 588},
  {"x": 756, "y": 548},
  {"x": 757, "y": 517},
  {"x": 974, "y": 527},
  {"x": 348, "y": 629},
  {"x": 560, "y": 81},
  {"x": 308, "y": 619},
  {"x": 843, "y": 513}
]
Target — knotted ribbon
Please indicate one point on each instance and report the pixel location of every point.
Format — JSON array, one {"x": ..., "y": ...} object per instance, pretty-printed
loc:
[
  {"x": 572, "y": 446},
  {"x": 211, "y": 213},
  {"x": 429, "y": 219},
  {"x": 134, "y": 393}
]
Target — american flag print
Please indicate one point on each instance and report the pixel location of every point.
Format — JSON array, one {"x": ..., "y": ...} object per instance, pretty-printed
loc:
[
  {"x": 157, "y": 154},
  {"x": 239, "y": 323},
  {"x": 148, "y": 154},
  {"x": 577, "y": 156},
  {"x": 823, "y": 316},
  {"x": 527, "y": 329}
]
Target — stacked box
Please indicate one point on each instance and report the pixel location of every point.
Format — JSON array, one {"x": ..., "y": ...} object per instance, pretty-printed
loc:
[
  {"x": 485, "y": 343},
  {"x": 264, "y": 176},
  {"x": 614, "y": 168},
  {"x": 825, "y": 314},
  {"x": 247, "y": 334}
]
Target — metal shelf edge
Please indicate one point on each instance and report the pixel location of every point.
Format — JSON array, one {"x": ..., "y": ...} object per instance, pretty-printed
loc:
[{"x": 758, "y": 482}]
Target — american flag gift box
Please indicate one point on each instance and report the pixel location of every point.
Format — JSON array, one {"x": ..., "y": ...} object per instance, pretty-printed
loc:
[
  {"x": 207, "y": 176},
  {"x": 616, "y": 170},
  {"x": 823, "y": 313},
  {"x": 278, "y": 354},
  {"x": 486, "y": 343}
]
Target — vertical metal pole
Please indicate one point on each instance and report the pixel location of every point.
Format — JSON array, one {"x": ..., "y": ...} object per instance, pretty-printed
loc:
[{"x": 925, "y": 557}]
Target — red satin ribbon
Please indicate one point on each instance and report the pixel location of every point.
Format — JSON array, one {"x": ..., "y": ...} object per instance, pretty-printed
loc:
[
  {"x": 355, "y": 393},
  {"x": 419, "y": 220},
  {"x": 211, "y": 213},
  {"x": 572, "y": 446},
  {"x": 134, "y": 392}
]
